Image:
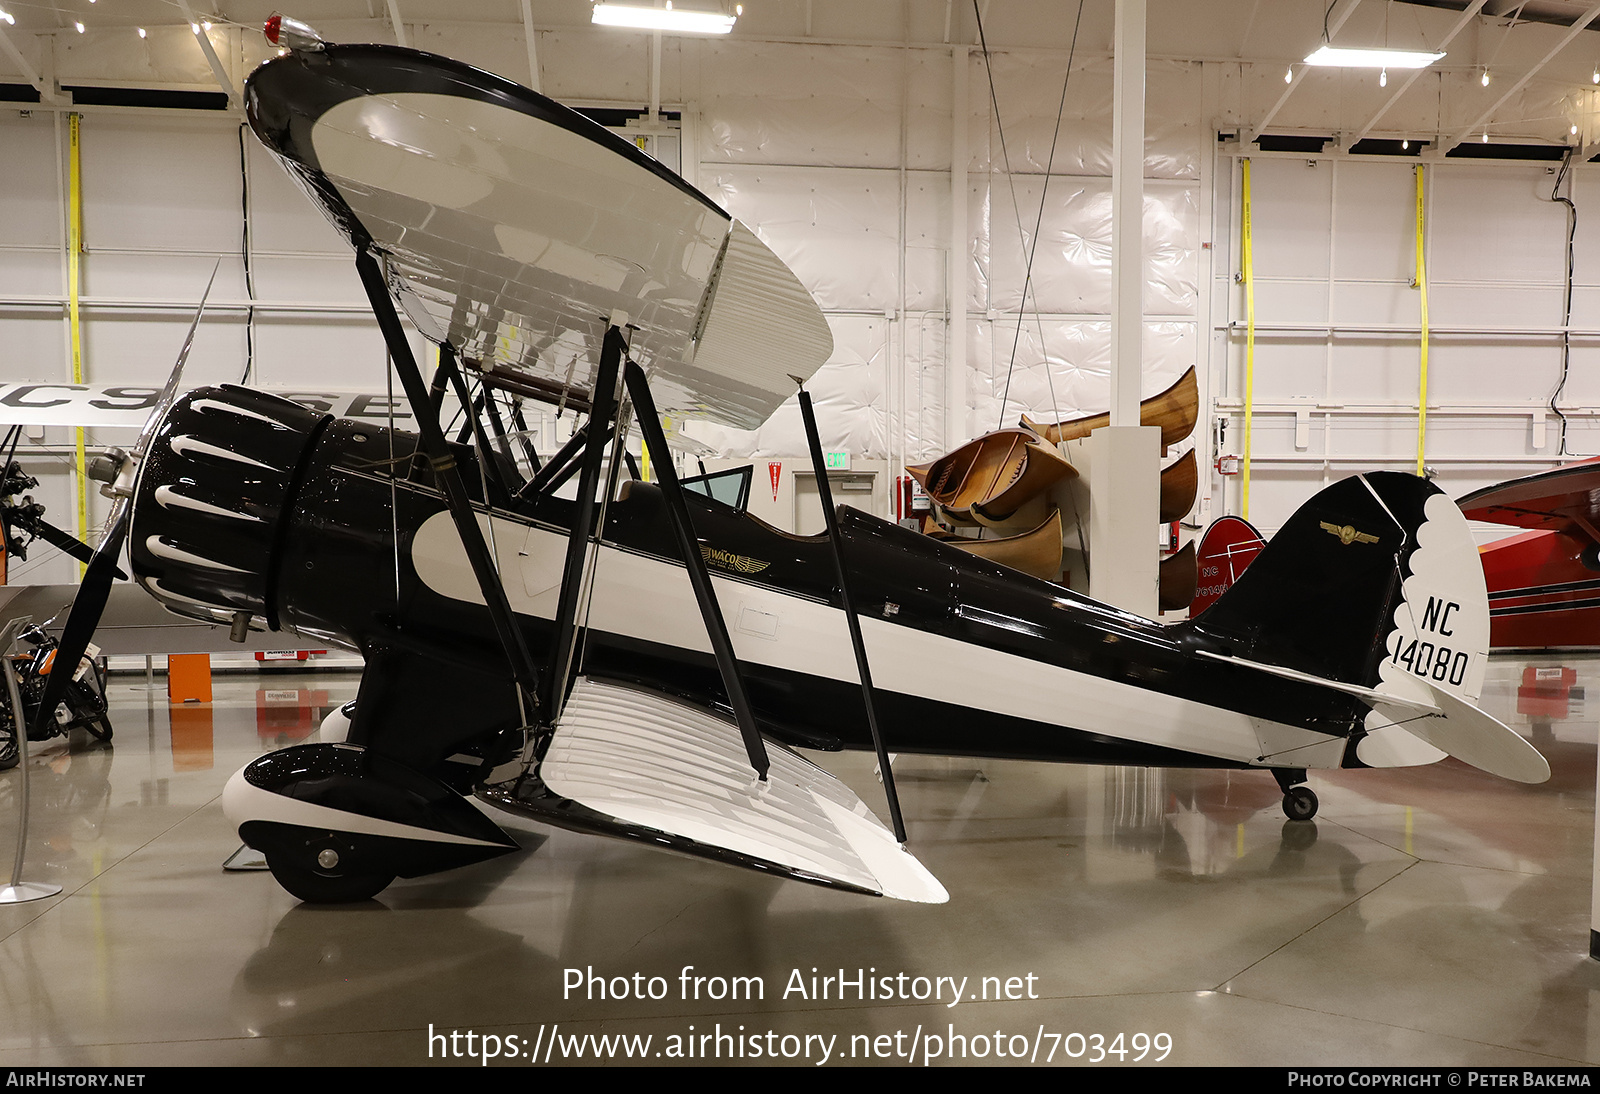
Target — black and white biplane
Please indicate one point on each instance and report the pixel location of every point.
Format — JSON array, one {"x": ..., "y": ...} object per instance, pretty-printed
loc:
[{"x": 645, "y": 660}]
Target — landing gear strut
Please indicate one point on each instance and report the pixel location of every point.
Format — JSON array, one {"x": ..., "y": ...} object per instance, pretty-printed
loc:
[{"x": 1299, "y": 800}]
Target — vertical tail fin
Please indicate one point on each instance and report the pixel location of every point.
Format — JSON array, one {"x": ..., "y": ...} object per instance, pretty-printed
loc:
[{"x": 1376, "y": 582}]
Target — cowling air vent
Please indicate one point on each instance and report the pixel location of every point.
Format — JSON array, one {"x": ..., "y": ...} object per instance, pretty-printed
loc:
[{"x": 214, "y": 487}]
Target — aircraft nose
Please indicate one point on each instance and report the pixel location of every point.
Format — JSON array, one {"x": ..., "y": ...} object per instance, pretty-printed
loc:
[{"x": 214, "y": 487}]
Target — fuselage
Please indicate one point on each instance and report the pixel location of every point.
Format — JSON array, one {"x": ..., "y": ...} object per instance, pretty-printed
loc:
[{"x": 968, "y": 657}]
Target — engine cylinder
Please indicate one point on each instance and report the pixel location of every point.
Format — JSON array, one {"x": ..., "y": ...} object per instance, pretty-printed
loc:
[{"x": 212, "y": 495}]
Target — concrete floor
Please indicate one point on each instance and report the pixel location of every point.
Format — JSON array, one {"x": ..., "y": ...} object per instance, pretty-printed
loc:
[{"x": 1431, "y": 916}]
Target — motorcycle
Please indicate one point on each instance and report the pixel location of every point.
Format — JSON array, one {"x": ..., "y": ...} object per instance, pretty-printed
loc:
[{"x": 83, "y": 706}]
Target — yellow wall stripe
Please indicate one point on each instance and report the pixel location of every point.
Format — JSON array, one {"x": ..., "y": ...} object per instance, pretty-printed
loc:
[{"x": 74, "y": 320}]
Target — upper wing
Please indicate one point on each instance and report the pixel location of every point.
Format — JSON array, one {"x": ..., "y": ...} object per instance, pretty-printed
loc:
[
  {"x": 516, "y": 230},
  {"x": 119, "y": 407},
  {"x": 1564, "y": 500}
]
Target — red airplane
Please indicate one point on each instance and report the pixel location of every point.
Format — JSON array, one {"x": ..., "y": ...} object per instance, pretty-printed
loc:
[{"x": 1544, "y": 585}]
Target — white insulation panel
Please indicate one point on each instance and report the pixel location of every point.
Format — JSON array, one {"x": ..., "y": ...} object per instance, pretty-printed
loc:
[{"x": 839, "y": 156}]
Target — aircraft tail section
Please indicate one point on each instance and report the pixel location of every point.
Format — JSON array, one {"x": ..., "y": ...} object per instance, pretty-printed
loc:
[{"x": 1374, "y": 586}]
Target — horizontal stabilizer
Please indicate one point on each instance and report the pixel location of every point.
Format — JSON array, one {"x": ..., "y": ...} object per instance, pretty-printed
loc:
[
  {"x": 1471, "y": 735},
  {"x": 1367, "y": 695},
  {"x": 655, "y": 763},
  {"x": 1443, "y": 722}
]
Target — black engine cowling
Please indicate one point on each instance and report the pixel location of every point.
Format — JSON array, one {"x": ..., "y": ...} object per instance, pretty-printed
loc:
[{"x": 218, "y": 480}]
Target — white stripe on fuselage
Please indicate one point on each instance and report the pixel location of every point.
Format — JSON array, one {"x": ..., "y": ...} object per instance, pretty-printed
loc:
[{"x": 649, "y": 599}]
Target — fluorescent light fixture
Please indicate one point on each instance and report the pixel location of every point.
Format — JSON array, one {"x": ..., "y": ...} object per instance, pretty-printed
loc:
[
  {"x": 669, "y": 19},
  {"x": 1372, "y": 58}
]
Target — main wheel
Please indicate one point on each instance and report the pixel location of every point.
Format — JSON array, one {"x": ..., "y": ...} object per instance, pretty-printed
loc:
[
  {"x": 1300, "y": 803},
  {"x": 320, "y": 880}
]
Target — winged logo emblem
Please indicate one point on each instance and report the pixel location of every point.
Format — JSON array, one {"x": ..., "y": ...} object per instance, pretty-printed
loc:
[
  {"x": 1347, "y": 534},
  {"x": 727, "y": 560}
]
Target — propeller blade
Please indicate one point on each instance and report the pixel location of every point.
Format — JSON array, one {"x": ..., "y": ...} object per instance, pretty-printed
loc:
[
  {"x": 71, "y": 544},
  {"x": 95, "y": 589},
  {"x": 54, "y": 536},
  {"x": 81, "y": 623}
]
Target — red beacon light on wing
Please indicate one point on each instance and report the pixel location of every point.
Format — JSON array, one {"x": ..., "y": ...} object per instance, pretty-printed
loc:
[{"x": 290, "y": 33}]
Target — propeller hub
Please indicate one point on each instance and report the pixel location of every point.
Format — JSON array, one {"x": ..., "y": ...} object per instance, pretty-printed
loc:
[{"x": 105, "y": 469}]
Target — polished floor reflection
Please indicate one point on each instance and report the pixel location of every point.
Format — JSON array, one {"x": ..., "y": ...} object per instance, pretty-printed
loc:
[{"x": 1430, "y": 916}]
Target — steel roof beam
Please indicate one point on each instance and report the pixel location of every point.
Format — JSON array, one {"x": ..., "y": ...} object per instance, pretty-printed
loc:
[
  {"x": 1577, "y": 28},
  {"x": 1294, "y": 83},
  {"x": 1466, "y": 18}
]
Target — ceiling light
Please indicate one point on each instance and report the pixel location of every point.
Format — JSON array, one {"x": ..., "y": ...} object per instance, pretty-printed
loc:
[
  {"x": 1288, "y": 75},
  {"x": 1485, "y": 80},
  {"x": 1405, "y": 145},
  {"x": 79, "y": 26},
  {"x": 668, "y": 19},
  {"x": 142, "y": 34},
  {"x": 1383, "y": 77},
  {"x": 8, "y": 17},
  {"x": 1372, "y": 58},
  {"x": 1597, "y": 74},
  {"x": 1573, "y": 131}
]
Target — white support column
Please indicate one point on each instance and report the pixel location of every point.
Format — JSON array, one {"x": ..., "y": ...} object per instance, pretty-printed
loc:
[
  {"x": 955, "y": 350},
  {"x": 1125, "y": 463},
  {"x": 1594, "y": 891},
  {"x": 1127, "y": 211}
]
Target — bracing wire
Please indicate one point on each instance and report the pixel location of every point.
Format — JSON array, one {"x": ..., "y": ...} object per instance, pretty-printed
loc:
[{"x": 1005, "y": 154}]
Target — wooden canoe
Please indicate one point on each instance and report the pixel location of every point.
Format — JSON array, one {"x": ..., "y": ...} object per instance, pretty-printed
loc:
[
  {"x": 1180, "y": 481},
  {"x": 1179, "y": 578},
  {"x": 997, "y": 473},
  {"x": 1175, "y": 410},
  {"x": 1036, "y": 553}
]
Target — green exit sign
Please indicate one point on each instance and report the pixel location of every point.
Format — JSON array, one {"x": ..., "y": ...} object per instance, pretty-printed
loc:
[{"x": 836, "y": 461}]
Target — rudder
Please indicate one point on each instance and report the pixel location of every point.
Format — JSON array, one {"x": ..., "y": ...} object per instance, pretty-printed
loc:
[{"x": 1373, "y": 580}]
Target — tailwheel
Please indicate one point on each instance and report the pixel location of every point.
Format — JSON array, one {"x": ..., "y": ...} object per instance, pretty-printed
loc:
[
  {"x": 1300, "y": 803},
  {"x": 317, "y": 875}
]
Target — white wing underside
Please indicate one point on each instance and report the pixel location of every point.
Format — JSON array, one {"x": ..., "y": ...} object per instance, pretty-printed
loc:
[
  {"x": 517, "y": 241},
  {"x": 646, "y": 759}
]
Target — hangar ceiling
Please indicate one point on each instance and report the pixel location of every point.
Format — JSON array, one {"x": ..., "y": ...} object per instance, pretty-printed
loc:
[{"x": 1541, "y": 57}]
